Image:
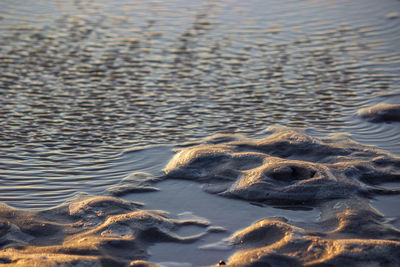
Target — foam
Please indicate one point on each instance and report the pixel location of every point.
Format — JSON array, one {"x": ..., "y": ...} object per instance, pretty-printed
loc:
[
  {"x": 288, "y": 166},
  {"x": 136, "y": 182},
  {"x": 381, "y": 113},
  {"x": 349, "y": 233},
  {"x": 88, "y": 231},
  {"x": 271, "y": 242},
  {"x": 334, "y": 175},
  {"x": 359, "y": 237}
]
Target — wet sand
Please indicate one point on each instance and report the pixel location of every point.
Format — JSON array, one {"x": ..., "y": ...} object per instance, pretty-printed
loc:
[
  {"x": 185, "y": 133},
  {"x": 307, "y": 198}
]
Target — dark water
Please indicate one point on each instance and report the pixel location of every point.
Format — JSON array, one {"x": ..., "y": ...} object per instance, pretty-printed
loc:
[{"x": 82, "y": 83}]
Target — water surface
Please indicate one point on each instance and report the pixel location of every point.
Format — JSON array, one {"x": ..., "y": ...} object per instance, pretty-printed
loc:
[
  {"x": 82, "y": 81},
  {"x": 91, "y": 91}
]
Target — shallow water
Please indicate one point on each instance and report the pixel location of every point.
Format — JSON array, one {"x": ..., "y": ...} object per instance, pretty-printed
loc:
[
  {"x": 91, "y": 91},
  {"x": 185, "y": 199},
  {"x": 82, "y": 81}
]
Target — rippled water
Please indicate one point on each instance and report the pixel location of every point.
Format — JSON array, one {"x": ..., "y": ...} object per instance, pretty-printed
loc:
[{"x": 83, "y": 82}]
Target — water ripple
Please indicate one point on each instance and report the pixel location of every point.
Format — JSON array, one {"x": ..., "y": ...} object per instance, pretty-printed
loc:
[{"x": 82, "y": 81}]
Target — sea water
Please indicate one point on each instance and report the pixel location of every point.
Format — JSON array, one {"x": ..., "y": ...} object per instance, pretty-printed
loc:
[{"x": 93, "y": 91}]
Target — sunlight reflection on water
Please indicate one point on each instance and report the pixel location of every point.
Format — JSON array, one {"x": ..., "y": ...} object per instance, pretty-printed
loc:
[{"x": 81, "y": 81}]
